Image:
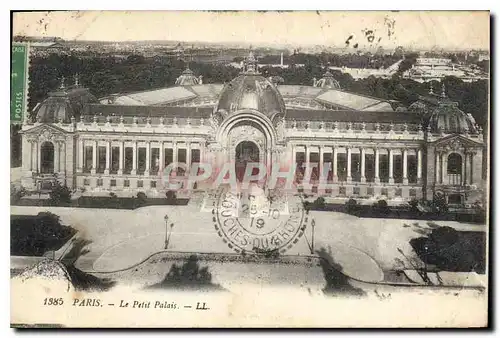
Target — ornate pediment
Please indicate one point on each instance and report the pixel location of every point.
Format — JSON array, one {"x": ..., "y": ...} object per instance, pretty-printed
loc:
[
  {"x": 456, "y": 142},
  {"x": 45, "y": 132}
]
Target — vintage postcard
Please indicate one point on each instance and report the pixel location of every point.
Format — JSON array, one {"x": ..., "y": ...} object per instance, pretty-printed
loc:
[{"x": 249, "y": 169}]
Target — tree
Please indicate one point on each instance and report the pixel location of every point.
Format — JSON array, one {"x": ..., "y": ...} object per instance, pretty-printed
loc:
[
  {"x": 60, "y": 195},
  {"x": 407, "y": 63},
  {"x": 399, "y": 52}
]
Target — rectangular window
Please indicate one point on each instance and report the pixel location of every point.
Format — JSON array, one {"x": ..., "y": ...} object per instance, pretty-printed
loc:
[
  {"x": 86, "y": 181},
  {"x": 342, "y": 167},
  {"x": 140, "y": 184},
  {"x": 169, "y": 156},
  {"x": 412, "y": 169},
  {"x": 327, "y": 160},
  {"x": 356, "y": 190},
  {"x": 369, "y": 191},
  {"x": 384, "y": 168},
  {"x": 398, "y": 168},
  {"x": 88, "y": 159},
  {"x": 99, "y": 182},
  {"x": 155, "y": 161},
  {"x": 152, "y": 184},
  {"x": 300, "y": 158},
  {"x": 314, "y": 160},
  {"x": 112, "y": 183},
  {"x": 129, "y": 159},
  {"x": 356, "y": 167},
  {"x": 399, "y": 192},
  {"x": 115, "y": 160},
  {"x": 126, "y": 183},
  {"x": 141, "y": 160},
  {"x": 383, "y": 192},
  {"x": 342, "y": 191},
  {"x": 101, "y": 159},
  {"x": 181, "y": 158},
  {"x": 370, "y": 167},
  {"x": 195, "y": 155},
  {"x": 413, "y": 192}
]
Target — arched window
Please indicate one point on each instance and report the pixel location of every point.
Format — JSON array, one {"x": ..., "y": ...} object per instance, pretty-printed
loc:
[
  {"x": 454, "y": 164},
  {"x": 47, "y": 158}
]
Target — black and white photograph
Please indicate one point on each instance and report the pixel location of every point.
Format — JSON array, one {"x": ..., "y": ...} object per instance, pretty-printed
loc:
[{"x": 276, "y": 169}]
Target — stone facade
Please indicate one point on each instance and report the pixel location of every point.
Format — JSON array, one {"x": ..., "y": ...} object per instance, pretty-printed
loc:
[{"x": 123, "y": 145}]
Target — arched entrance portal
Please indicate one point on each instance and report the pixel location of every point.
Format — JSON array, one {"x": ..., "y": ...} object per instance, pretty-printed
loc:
[
  {"x": 246, "y": 152},
  {"x": 47, "y": 158}
]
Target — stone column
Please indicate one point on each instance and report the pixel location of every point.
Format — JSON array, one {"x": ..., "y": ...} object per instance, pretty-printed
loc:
[
  {"x": 202, "y": 152},
  {"x": 377, "y": 166},
  {"x": 334, "y": 165},
  {"x": 405, "y": 166},
  {"x": 94, "y": 157},
  {"x": 349, "y": 178},
  {"x": 134, "y": 158},
  {"x": 391, "y": 166},
  {"x": 362, "y": 154},
  {"x": 471, "y": 167},
  {"x": 148, "y": 158},
  {"x": 81, "y": 151},
  {"x": 161, "y": 159},
  {"x": 56, "y": 156},
  {"x": 419, "y": 166},
  {"x": 38, "y": 157},
  {"x": 188, "y": 158},
  {"x": 63, "y": 156},
  {"x": 120, "y": 161},
  {"x": 463, "y": 178},
  {"x": 321, "y": 161},
  {"x": 31, "y": 143},
  {"x": 438, "y": 171},
  {"x": 108, "y": 157},
  {"x": 174, "y": 155},
  {"x": 308, "y": 157},
  {"x": 444, "y": 169}
]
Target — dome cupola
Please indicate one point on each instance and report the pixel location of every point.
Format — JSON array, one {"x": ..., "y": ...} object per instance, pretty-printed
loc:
[
  {"x": 447, "y": 118},
  {"x": 64, "y": 103},
  {"x": 250, "y": 90},
  {"x": 187, "y": 78},
  {"x": 327, "y": 81}
]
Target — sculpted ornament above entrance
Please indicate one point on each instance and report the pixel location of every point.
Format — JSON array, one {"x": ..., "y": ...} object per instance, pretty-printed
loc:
[{"x": 247, "y": 133}]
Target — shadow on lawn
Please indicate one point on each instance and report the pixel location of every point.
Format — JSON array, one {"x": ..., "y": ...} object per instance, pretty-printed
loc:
[
  {"x": 83, "y": 281},
  {"x": 188, "y": 276},
  {"x": 450, "y": 250},
  {"x": 337, "y": 284}
]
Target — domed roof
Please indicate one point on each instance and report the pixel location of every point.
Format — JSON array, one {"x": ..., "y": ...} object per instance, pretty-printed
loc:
[
  {"x": 441, "y": 115},
  {"x": 327, "y": 81},
  {"x": 251, "y": 91},
  {"x": 63, "y": 104},
  {"x": 187, "y": 78},
  {"x": 449, "y": 119}
]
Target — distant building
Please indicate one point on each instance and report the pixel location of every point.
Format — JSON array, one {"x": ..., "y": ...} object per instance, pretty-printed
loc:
[
  {"x": 47, "y": 45},
  {"x": 435, "y": 69}
]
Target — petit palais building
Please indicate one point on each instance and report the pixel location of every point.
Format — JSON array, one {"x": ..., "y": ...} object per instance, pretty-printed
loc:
[{"x": 122, "y": 143}]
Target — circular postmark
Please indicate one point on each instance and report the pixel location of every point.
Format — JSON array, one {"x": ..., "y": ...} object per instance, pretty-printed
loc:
[{"x": 259, "y": 222}]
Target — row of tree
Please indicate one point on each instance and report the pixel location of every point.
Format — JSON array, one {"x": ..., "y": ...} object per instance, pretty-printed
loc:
[{"x": 105, "y": 76}]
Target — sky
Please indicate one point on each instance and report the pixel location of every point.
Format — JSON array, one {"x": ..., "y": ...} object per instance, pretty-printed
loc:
[{"x": 419, "y": 29}]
